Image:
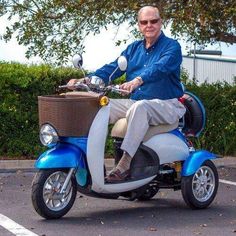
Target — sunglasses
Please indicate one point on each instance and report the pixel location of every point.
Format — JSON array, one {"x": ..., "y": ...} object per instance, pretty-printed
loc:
[{"x": 152, "y": 22}]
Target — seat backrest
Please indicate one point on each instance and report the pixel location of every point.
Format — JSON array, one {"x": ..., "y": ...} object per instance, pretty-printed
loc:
[{"x": 193, "y": 122}]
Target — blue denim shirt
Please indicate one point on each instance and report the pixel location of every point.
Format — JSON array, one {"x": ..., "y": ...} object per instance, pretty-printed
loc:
[{"x": 158, "y": 66}]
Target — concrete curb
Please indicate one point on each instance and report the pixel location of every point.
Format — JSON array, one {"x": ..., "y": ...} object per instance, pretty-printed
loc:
[
  {"x": 225, "y": 161},
  {"x": 16, "y": 164},
  {"x": 28, "y": 165}
]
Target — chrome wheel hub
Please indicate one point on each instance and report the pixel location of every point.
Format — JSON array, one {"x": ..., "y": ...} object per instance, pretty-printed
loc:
[
  {"x": 203, "y": 183},
  {"x": 53, "y": 199}
]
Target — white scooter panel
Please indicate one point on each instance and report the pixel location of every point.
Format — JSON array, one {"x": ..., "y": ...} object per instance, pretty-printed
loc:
[
  {"x": 95, "y": 157},
  {"x": 168, "y": 147}
]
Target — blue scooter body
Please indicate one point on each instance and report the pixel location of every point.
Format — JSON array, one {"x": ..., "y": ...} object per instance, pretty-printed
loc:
[
  {"x": 69, "y": 153},
  {"x": 195, "y": 160}
]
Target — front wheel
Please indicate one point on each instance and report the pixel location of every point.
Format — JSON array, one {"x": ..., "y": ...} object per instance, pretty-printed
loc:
[
  {"x": 199, "y": 189},
  {"x": 46, "y": 197}
]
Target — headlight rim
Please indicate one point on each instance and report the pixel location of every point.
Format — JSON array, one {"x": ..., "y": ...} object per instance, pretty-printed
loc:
[{"x": 52, "y": 132}]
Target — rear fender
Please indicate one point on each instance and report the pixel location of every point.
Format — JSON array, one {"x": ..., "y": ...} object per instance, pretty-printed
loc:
[
  {"x": 63, "y": 155},
  {"x": 195, "y": 160}
]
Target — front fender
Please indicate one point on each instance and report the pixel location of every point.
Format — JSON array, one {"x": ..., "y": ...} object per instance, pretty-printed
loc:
[
  {"x": 195, "y": 160},
  {"x": 63, "y": 155}
]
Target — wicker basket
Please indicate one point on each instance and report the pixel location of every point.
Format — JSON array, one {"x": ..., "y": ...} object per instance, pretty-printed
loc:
[{"x": 71, "y": 114}]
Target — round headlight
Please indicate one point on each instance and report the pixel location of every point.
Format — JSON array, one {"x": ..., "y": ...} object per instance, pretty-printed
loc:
[{"x": 48, "y": 135}]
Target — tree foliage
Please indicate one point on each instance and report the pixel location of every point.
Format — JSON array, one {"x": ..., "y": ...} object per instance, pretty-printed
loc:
[{"x": 56, "y": 28}]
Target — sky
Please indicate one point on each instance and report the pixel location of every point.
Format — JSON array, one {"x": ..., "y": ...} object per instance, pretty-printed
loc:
[{"x": 99, "y": 49}]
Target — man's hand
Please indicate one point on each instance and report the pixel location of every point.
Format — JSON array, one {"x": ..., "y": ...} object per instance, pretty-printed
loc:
[
  {"x": 72, "y": 82},
  {"x": 132, "y": 85}
]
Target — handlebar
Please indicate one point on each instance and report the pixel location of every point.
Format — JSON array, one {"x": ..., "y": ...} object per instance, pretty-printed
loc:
[
  {"x": 90, "y": 87},
  {"x": 77, "y": 85},
  {"x": 116, "y": 88}
]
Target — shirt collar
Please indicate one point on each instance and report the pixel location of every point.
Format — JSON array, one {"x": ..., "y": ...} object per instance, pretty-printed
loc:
[{"x": 156, "y": 42}]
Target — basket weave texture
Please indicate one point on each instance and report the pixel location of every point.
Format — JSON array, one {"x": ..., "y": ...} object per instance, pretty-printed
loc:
[{"x": 70, "y": 114}]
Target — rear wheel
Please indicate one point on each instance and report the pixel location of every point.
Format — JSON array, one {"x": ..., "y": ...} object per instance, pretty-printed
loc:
[
  {"x": 199, "y": 189},
  {"x": 46, "y": 197}
]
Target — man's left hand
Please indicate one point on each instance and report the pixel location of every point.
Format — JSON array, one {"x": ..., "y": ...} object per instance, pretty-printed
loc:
[{"x": 131, "y": 85}]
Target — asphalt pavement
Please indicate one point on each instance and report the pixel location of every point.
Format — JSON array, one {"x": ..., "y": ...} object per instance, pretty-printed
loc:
[{"x": 166, "y": 214}]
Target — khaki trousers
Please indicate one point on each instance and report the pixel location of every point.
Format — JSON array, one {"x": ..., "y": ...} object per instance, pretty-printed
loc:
[{"x": 140, "y": 114}]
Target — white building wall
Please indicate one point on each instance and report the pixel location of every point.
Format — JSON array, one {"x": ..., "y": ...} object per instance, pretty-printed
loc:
[{"x": 210, "y": 69}]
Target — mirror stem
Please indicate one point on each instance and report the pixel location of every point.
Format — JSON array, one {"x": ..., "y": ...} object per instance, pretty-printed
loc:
[
  {"x": 80, "y": 67},
  {"x": 109, "y": 81}
]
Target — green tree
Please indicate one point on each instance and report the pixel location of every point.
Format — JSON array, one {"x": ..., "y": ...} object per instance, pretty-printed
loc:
[{"x": 56, "y": 28}]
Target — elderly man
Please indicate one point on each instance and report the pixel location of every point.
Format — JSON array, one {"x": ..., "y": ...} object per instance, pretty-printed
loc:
[{"x": 152, "y": 79}]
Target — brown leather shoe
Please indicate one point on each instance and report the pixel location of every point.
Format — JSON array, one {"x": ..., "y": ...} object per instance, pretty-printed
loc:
[{"x": 116, "y": 176}]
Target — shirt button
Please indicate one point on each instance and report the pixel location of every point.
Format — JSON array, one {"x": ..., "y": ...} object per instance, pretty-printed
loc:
[
  {"x": 145, "y": 65},
  {"x": 147, "y": 53},
  {"x": 139, "y": 88}
]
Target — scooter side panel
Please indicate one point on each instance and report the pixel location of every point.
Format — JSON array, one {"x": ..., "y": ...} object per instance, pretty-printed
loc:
[
  {"x": 168, "y": 147},
  {"x": 195, "y": 160},
  {"x": 96, "y": 148},
  {"x": 95, "y": 157},
  {"x": 63, "y": 155}
]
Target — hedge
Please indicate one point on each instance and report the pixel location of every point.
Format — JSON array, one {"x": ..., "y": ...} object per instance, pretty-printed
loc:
[
  {"x": 21, "y": 84},
  {"x": 219, "y": 99}
]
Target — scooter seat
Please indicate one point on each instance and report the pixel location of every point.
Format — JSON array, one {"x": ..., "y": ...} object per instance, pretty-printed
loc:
[{"x": 120, "y": 127}]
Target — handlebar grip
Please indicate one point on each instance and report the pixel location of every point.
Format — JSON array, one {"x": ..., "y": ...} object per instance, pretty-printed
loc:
[
  {"x": 123, "y": 91},
  {"x": 67, "y": 86},
  {"x": 63, "y": 86},
  {"x": 117, "y": 89}
]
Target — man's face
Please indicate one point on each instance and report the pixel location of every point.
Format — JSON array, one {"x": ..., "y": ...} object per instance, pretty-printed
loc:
[{"x": 149, "y": 23}]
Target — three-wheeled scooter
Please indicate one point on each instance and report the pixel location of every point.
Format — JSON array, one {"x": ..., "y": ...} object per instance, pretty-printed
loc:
[{"x": 74, "y": 127}]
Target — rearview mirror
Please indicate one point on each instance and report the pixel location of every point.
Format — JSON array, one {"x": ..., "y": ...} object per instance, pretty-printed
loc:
[
  {"x": 122, "y": 63},
  {"x": 77, "y": 61}
]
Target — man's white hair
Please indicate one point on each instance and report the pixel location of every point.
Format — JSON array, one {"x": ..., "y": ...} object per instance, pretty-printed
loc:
[{"x": 149, "y": 8}]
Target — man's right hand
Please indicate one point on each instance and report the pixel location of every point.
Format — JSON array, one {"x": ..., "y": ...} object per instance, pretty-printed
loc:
[{"x": 72, "y": 82}]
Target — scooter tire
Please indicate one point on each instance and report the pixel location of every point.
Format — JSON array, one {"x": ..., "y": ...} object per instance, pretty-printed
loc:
[
  {"x": 190, "y": 186},
  {"x": 37, "y": 194}
]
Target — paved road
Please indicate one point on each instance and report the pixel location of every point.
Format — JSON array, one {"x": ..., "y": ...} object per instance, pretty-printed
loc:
[{"x": 165, "y": 215}]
